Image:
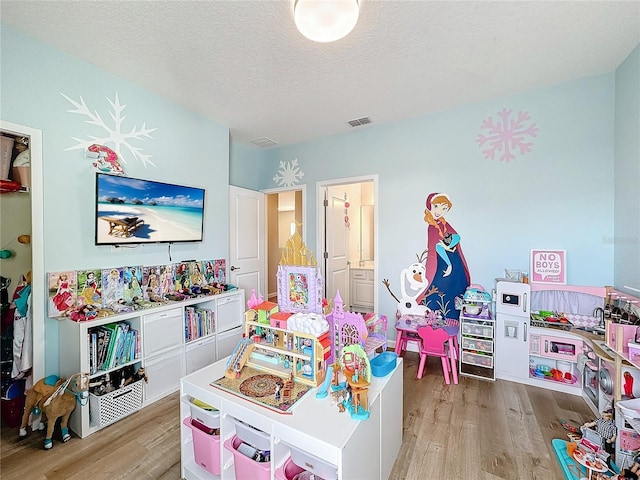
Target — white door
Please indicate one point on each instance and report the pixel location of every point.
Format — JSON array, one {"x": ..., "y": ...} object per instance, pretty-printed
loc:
[
  {"x": 247, "y": 251},
  {"x": 337, "y": 244}
]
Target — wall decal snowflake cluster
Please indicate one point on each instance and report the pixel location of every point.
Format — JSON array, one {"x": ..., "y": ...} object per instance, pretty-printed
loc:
[
  {"x": 506, "y": 135},
  {"x": 116, "y": 135},
  {"x": 289, "y": 173}
]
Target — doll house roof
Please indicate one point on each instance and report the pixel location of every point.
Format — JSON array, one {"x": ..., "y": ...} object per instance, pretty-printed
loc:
[{"x": 266, "y": 305}]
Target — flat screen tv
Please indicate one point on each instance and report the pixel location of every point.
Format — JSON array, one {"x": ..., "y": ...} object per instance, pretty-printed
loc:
[{"x": 132, "y": 210}]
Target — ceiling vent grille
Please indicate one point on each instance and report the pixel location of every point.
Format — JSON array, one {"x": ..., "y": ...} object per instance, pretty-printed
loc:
[
  {"x": 359, "y": 121},
  {"x": 264, "y": 142}
]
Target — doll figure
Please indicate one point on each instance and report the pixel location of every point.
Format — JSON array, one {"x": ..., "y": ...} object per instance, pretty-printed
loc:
[
  {"x": 165, "y": 281},
  {"x": 196, "y": 275},
  {"x": 63, "y": 299},
  {"x": 134, "y": 285},
  {"x": 153, "y": 287},
  {"x": 277, "y": 395},
  {"x": 606, "y": 428},
  {"x": 90, "y": 290},
  {"x": 628, "y": 384},
  {"x": 111, "y": 289}
]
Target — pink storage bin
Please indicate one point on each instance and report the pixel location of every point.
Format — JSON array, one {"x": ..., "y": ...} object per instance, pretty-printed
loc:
[
  {"x": 206, "y": 448},
  {"x": 246, "y": 468},
  {"x": 288, "y": 470},
  {"x": 634, "y": 352}
]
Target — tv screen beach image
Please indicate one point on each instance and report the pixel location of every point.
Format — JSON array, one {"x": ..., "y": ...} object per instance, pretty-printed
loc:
[{"x": 130, "y": 210}]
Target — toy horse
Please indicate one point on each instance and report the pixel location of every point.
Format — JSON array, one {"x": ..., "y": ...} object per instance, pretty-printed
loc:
[{"x": 55, "y": 398}]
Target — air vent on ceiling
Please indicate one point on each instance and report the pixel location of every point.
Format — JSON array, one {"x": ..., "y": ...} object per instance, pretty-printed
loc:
[
  {"x": 359, "y": 121},
  {"x": 264, "y": 142}
]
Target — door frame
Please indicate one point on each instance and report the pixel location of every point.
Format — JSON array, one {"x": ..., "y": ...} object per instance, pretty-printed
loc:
[
  {"x": 320, "y": 221},
  {"x": 303, "y": 231},
  {"x": 303, "y": 187},
  {"x": 38, "y": 280}
]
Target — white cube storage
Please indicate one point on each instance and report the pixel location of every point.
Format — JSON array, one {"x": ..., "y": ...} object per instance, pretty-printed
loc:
[{"x": 163, "y": 351}]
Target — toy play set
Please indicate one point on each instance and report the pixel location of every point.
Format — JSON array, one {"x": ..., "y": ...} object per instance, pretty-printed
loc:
[{"x": 292, "y": 345}]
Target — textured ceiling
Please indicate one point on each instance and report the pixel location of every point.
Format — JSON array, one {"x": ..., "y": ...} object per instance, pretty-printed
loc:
[{"x": 244, "y": 65}]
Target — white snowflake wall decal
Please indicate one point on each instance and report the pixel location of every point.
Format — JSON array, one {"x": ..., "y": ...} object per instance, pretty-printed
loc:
[
  {"x": 289, "y": 173},
  {"x": 116, "y": 135},
  {"x": 506, "y": 135}
]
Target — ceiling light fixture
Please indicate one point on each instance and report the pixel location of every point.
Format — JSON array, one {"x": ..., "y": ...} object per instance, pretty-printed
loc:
[{"x": 325, "y": 20}]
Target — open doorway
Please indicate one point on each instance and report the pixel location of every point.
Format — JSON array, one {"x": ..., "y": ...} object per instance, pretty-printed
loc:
[
  {"x": 22, "y": 236},
  {"x": 347, "y": 230},
  {"x": 285, "y": 213}
]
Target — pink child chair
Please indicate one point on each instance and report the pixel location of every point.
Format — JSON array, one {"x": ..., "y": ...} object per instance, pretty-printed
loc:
[{"x": 434, "y": 344}]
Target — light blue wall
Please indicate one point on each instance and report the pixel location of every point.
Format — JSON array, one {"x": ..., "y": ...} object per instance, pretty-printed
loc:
[
  {"x": 626, "y": 236},
  {"x": 32, "y": 79},
  {"x": 245, "y": 165},
  {"x": 558, "y": 196}
]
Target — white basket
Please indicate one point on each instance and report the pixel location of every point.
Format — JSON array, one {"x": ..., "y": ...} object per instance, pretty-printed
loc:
[{"x": 111, "y": 407}]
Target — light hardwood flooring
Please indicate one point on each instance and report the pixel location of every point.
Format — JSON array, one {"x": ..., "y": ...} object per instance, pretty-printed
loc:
[{"x": 476, "y": 430}]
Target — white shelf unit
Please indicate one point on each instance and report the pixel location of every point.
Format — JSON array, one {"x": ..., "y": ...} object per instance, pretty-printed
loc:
[
  {"x": 477, "y": 342},
  {"x": 314, "y": 426},
  {"x": 165, "y": 354}
]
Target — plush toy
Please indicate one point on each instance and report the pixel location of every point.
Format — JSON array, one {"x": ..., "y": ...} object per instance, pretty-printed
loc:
[{"x": 54, "y": 398}]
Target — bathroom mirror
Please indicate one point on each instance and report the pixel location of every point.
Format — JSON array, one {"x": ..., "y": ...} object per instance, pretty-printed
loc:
[{"x": 366, "y": 232}]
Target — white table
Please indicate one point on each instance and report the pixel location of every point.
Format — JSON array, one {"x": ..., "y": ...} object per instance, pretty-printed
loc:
[{"x": 315, "y": 426}]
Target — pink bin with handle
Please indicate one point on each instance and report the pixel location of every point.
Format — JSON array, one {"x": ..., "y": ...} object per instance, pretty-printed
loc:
[
  {"x": 246, "y": 468},
  {"x": 288, "y": 470},
  {"x": 206, "y": 448}
]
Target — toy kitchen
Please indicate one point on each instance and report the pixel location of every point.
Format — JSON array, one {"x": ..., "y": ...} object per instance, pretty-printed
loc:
[
  {"x": 553, "y": 336},
  {"x": 573, "y": 339}
]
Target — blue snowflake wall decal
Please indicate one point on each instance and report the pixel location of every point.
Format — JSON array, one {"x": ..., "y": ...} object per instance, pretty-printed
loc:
[
  {"x": 115, "y": 135},
  {"x": 289, "y": 173},
  {"x": 506, "y": 135}
]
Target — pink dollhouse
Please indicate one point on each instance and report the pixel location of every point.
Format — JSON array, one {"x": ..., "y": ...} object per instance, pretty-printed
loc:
[{"x": 348, "y": 328}]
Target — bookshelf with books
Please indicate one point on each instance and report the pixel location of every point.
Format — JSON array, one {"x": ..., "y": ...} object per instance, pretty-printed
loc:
[
  {"x": 112, "y": 346},
  {"x": 168, "y": 341}
]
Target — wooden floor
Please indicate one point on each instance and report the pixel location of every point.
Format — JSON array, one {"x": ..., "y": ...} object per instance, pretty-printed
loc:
[{"x": 476, "y": 430}]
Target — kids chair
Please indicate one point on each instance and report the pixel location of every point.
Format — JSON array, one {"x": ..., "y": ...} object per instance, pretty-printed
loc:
[
  {"x": 435, "y": 344},
  {"x": 403, "y": 338}
]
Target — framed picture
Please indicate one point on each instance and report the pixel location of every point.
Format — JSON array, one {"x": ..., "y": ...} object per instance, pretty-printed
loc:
[
  {"x": 548, "y": 266},
  {"x": 299, "y": 289}
]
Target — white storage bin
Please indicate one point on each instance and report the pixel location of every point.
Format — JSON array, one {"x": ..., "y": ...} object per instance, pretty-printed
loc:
[
  {"x": 162, "y": 331},
  {"x": 209, "y": 418},
  {"x": 251, "y": 435},
  {"x": 230, "y": 312},
  {"x": 313, "y": 464},
  {"x": 164, "y": 372},
  {"x": 200, "y": 353},
  {"x": 111, "y": 407}
]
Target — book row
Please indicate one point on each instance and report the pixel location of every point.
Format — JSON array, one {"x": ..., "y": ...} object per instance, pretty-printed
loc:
[
  {"x": 113, "y": 345},
  {"x": 198, "y": 322}
]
